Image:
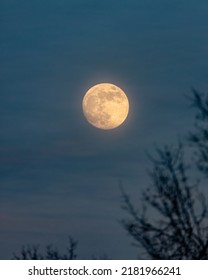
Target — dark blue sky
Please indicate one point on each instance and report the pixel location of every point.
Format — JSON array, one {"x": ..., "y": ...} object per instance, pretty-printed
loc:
[{"x": 58, "y": 174}]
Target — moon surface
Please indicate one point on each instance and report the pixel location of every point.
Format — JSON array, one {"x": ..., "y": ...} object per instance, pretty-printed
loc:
[{"x": 105, "y": 106}]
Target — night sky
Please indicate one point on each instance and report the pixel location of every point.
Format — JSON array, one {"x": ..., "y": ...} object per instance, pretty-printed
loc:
[{"x": 59, "y": 175}]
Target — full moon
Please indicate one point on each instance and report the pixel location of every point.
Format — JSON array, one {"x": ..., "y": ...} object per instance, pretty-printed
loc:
[{"x": 105, "y": 106}]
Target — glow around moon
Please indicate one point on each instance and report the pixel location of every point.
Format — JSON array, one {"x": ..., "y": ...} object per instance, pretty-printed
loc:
[{"x": 105, "y": 106}]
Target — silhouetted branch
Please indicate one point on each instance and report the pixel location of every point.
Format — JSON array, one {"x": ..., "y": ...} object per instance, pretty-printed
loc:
[
  {"x": 177, "y": 229},
  {"x": 199, "y": 137},
  {"x": 51, "y": 253}
]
